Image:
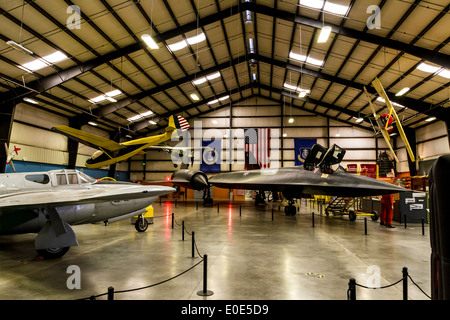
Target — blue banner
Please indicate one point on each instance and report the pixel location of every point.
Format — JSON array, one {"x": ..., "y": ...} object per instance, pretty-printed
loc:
[
  {"x": 211, "y": 155},
  {"x": 302, "y": 148}
]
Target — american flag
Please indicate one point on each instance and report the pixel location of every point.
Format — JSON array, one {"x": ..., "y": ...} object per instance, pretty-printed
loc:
[
  {"x": 257, "y": 148},
  {"x": 184, "y": 125}
]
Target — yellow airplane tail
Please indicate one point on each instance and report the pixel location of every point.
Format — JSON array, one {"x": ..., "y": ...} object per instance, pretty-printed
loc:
[{"x": 177, "y": 122}]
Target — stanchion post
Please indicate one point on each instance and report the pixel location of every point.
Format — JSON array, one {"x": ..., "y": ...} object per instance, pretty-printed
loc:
[
  {"x": 205, "y": 291},
  {"x": 110, "y": 293},
  {"x": 193, "y": 243},
  {"x": 405, "y": 283},
  {"x": 217, "y": 208},
  {"x": 196, "y": 205},
  {"x": 182, "y": 231},
  {"x": 404, "y": 216},
  {"x": 240, "y": 208},
  {"x": 313, "y": 219},
  {"x": 173, "y": 219},
  {"x": 351, "y": 294},
  {"x": 272, "y": 214},
  {"x": 423, "y": 226},
  {"x": 365, "y": 225}
]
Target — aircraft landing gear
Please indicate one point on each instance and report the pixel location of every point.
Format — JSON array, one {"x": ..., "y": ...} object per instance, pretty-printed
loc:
[
  {"x": 259, "y": 199},
  {"x": 290, "y": 210},
  {"x": 207, "y": 200},
  {"x": 141, "y": 224},
  {"x": 52, "y": 253}
]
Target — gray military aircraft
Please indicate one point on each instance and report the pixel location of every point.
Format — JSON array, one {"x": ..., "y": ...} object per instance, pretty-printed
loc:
[
  {"x": 316, "y": 177},
  {"x": 48, "y": 203}
]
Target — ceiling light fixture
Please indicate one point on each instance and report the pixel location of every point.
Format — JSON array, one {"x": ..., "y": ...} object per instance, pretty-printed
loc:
[
  {"x": 92, "y": 123},
  {"x": 402, "y": 92},
  {"x": 394, "y": 103},
  {"x": 324, "y": 34},
  {"x": 43, "y": 62},
  {"x": 189, "y": 41},
  {"x": 330, "y": 7},
  {"x": 107, "y": 96},
  {"x": 302, "y": 58},
  {"x": 151, "y": 43},
  {"x": 427, "y": 68},
  {"x": 208, "y": 77},
  {"x": 30, "y": 100},
  {"x": 18, "y": 47},
  {"x": 358, "y": 120},
  {"x": 430, "y": 119},
  {"x": 194, "y": 97},
  {"x": 141, "y": 115},
  {"x": 291, "y": 120}
]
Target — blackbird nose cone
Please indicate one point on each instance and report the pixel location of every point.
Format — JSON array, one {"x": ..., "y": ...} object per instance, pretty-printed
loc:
[{"x": 199, "y": 182}]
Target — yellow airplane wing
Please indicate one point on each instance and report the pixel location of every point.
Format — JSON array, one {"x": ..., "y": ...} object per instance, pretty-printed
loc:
[
  {"x": 88, "y": 139},
  {"x": 382, "y": 129},
  {"x": 379, "y": 87}
]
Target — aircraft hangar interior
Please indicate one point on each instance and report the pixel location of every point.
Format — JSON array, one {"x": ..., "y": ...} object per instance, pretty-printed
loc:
[{"x": 208, "y": 150}]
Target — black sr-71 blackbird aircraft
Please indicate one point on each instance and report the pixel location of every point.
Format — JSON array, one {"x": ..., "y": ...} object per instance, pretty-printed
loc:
[{"x": 315, "y": 177}]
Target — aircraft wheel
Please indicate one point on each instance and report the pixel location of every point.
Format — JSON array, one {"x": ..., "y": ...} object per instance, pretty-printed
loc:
[
  {"x": 52, "y": 253},
  {"x": 141, "y": 225},
  {"x": 290, "y": 211},
  {"x": 374, "y": 215},
  {"x": 352, "y": 215}
]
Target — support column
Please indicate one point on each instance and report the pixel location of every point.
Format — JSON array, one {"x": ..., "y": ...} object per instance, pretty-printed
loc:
[
  {"x": 6, "y": 122},
  {"x": 411, "y": 136}
]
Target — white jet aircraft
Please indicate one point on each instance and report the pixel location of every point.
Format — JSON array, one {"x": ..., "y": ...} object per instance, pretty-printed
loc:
[{"x": 48, "y": 203}]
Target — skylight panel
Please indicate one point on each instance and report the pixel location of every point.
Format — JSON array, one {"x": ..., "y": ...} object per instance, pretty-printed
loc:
[
  {"x": 183, "y": 43},
  {"x": 427, "y": 68},
  {"x": 106, "y": 96},
  {"x": 44, "y": 61},
  {"x": 328, "y": 6}
]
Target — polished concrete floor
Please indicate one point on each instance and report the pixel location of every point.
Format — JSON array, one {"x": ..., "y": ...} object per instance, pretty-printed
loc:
[{"x": 252, "y": 254}]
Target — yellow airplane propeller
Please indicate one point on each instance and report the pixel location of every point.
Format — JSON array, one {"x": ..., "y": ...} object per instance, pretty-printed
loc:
[{"x": 383, "y": 127}]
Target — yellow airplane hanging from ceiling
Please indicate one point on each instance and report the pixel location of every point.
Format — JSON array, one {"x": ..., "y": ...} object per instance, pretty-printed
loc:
[
  {"x": 384, "y": 126},
  {"x": 111, "y": 152}
]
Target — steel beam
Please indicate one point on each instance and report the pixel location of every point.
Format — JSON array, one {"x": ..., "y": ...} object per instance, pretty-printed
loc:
[{"x": 435, "y": 57}]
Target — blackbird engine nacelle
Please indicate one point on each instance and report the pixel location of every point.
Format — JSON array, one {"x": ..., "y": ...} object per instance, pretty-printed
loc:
[{"x": 191, "y": 179}]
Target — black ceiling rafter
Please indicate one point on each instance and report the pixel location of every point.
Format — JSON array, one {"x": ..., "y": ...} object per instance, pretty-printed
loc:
[
  {"x": 224, "y": 31},
  {"x": 137, "y": 126},
  {"x": 192, "y": 52},
  {"x": 435, "y": 57},
  {"x": 268, "y": 11},
  {"x": 60, "y": 72},
  {"x": 291, "y": 44},
  {"x": 413, "y": 104},
  {"x": 39, "y": 77},
  {"x": 330, "y": 48},
  {"x": 54, "y": 79},
  {"x": 130, "y": 32},
  {"x": 272, "y": 49},
  {"x": 283, "y": 93},
  {"x": 111, "y": 107},
  {"x": 293, "y": 96},
  {"x": 142, "y": 124},
  {"x": 279, "y": 92},
  {"x": 393, "y": 61},
  {"x": 122, "y": 23}
]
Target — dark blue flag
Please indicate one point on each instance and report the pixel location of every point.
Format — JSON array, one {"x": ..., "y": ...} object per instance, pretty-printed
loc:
[
  {"x": 211, "y": 155},
  {"x": 302, "y": 148}
]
